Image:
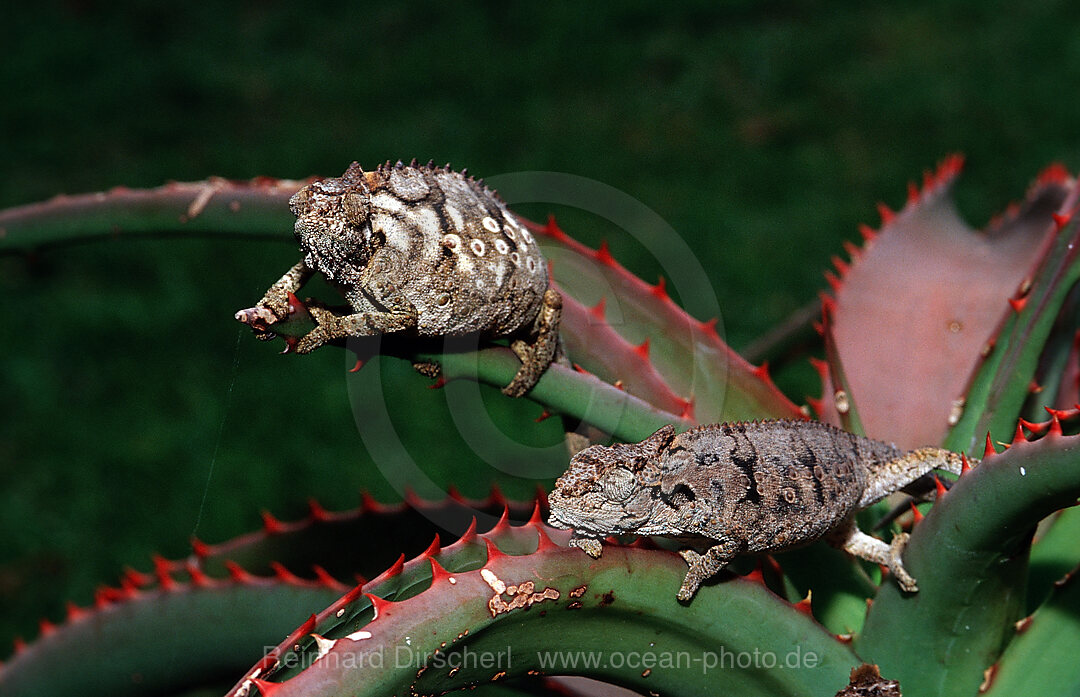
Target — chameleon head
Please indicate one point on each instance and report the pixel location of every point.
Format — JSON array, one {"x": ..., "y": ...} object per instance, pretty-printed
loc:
[
  {"x": 609, "y": 490},
  {"x": 333, "y": 224}
]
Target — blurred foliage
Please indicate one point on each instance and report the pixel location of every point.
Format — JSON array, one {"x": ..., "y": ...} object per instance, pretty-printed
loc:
[{"x": 762, "y": 132}]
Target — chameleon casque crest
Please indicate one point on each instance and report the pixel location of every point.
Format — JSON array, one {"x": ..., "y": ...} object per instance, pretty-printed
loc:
[
  {"x": 740, "y": 488},
  {"x": 422, "y": 250}
]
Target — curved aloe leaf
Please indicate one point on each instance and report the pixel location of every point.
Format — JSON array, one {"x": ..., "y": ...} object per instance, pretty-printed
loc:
[
  {"x": 970, "y": 557},
  {"x": 1002, "y": 385},
  {"x": 1054, "y": 554},
  {"x": 917, "y": 306},
  {"x": 1043, "y": 654},
  {"x": 543, "y": 606},
  {"x": 155, "y": 625}
]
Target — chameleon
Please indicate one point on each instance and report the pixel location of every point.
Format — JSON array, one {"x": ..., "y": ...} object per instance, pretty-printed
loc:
[
  {"x": 419, "y": 250},
  {"x": 737, "y": 488}
]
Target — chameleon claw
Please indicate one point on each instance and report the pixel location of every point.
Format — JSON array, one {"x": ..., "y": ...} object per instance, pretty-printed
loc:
[{"x": 589, "y": 545}]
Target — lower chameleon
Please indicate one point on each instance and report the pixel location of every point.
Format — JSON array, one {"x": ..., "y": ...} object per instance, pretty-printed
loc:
[{"x": 740, "y": 488}]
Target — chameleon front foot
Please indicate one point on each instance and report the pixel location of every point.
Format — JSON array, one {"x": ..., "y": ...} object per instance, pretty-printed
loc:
[
  {"x": 896, "y": 565},
  {"x": 537, "y": 356},
  {"x": 702, "y": 567},
  {"x": 589, "y": 545}
]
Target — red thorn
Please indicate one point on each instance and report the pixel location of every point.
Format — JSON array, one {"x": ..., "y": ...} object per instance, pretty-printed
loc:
[
  {"x": 237, "y": 572},
  {"x": 1055, "y": 427},
  {"x": 411, "y": 499},
  {"x": 136, "y": 578},
  {"x": 552, "y": 229},
  {"x": 324, "y": 578},
  {"x": 544, "y": 415},
  {"x": 619, "y": 385},
  {"x": 642, "y": 349},
  {"x": 368, "y": 504},
  {"x": 579, "y": 369},
  {"x": 1019, "y": 437},
  {"x": 295, "y": 305},
  {"x": 989, "y": 451},
  {"x": 352, "y": 596},
  {"x": 317, "y": 512},
  {"x": 852, "y": 249},
  {"x": 660, "y": 289},
  {"x": 268, "y": 662},
  {"x": 845, "y": 638},
  {"x": 101, "y": 598},
  {"x": 1035, "y": 428},
  {"x": 502, "y": 526},
  {"x": 284, "y": 575},
  {"x": 842, "y": 267},
  {"x": 544, "y": 543},
  {"x": 761, "y": 372},
  {"x": 493, "y": 552},
  {"x": 939, "y": 487},
  {"x": 433, "y": 548},
  {"x": 438, "y": 384},
  {"x": 199, "y": 548},
  {"x": 868, "y": 233},
  {"x": 397, "y": 567},
  {"x": 1061, "y": 220},
  {"x": 916, "y": 514},
  {"x": 454, "y": 494},
  {"x": 803, "y": 606},
  {"x": 266, "y": 688},
  {"x": 358, "y": 366},
  {"x": 1018, "y": 303},
  {"x": 687, "y": 410},
  {"x": 46, "y": 627},
  {"x": 1034, "y": 387},
  {"x": 834, "y": 282},
  {"x": 1062, "y": 414},
  {"x": 598, "y": 310},
  {"x": 757, "y": 575},
  {"x": 887, "y": 216},
  {"x": 709, "y": 327},
  {"x": 438, "y": 574},
  {"x": 912, "y": 193},
  {"x": 379, "y": 605},
  {"x": 161, "y": 571},
  {"x": 820, "y": 366},
  {"x": 1055, "y": 173},
  {"x": 469, "y": 536},
  {"x": 74, "y": 612},
  {"x": 603, "y": 254},
  {"x": 536, "y": 518},
  {"x": 271, "y": 525},
  {"x": 19, "y": 644},
  {"x": 965, "y": 466},
  {"x": 198, "y": 578}
]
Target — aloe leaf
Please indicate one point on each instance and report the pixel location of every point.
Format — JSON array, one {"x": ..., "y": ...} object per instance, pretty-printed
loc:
[
  {"x": 1053, "y": 555},
  {"x": 919, "y": 303},
  {"x": 460, "y": 601},
  {"x": 970, "y": 557},
  {"x": 1042, "y": 656},
  {"x": 1008, "y": 375},
  {"x": 157, "y": 640},
  {"x": 154, "y": 626}
]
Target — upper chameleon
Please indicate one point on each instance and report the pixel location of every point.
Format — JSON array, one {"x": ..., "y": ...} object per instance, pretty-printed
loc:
[
  {"x": 739, "y": 488},
  {"x": 422, "y": 250}
]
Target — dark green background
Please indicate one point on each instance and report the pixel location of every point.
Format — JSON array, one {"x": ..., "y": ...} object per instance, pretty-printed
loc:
[{"x": 762, "y": 132}]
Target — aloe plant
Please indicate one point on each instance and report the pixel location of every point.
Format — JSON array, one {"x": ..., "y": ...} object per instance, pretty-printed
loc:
[{"x": 933, "y": 334}]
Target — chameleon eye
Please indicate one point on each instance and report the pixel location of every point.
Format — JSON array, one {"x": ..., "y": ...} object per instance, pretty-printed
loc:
[
  {"x": 355, "y": 207},
  {"x": 617, "y": 484}
]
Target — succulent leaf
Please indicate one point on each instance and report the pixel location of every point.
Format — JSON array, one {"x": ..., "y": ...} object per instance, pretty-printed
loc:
[{"x": 970, "y": 557}]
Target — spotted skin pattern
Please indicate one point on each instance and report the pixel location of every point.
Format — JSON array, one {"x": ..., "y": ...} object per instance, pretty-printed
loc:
[
  {"x": 422, "y": 250},
  {"x": 740, "y": 488}
]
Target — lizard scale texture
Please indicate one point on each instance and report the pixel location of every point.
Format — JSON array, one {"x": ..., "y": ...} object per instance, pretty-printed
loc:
[
  {"x": 738, "y": 488},
  {"x": 421, "y": 250}
]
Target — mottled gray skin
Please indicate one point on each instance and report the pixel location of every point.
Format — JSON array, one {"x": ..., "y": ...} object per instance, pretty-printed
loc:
[
  {"x": 739, "y": 488},
  {"x": 422, "y": 250}
]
